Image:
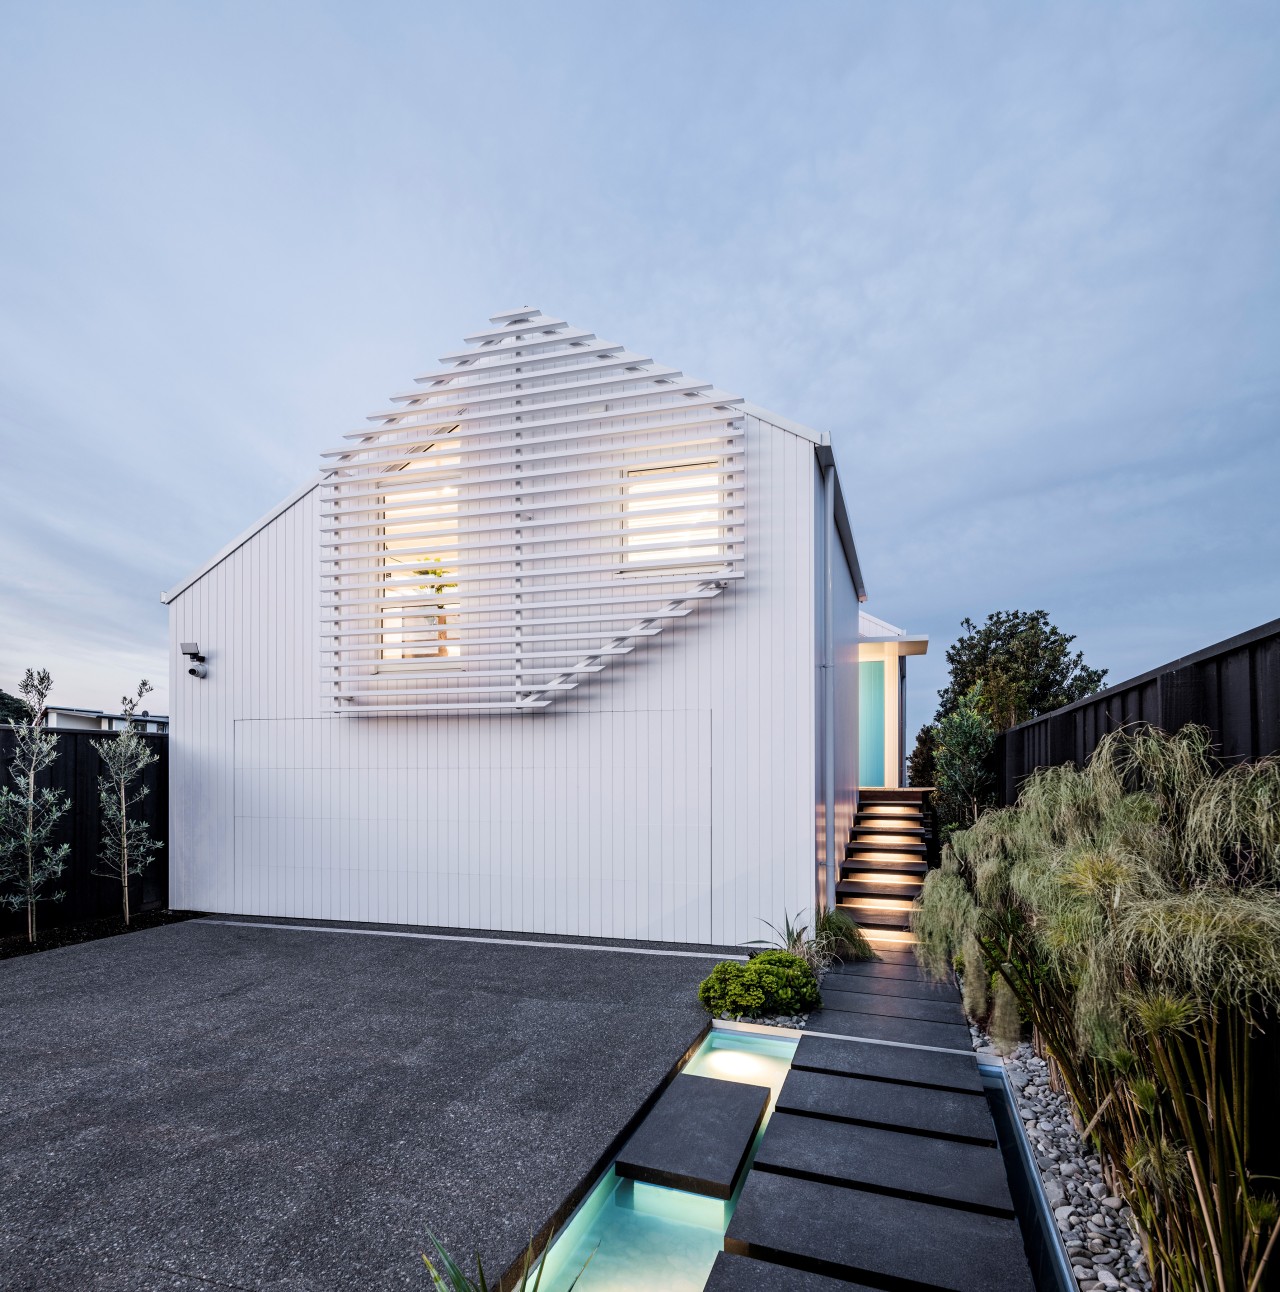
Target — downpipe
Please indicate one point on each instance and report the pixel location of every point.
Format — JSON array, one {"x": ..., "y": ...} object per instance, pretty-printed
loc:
[{"x": 829, "y": 684}]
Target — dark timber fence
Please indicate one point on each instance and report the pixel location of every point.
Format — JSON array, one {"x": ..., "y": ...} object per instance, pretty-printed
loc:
[
  {"x": 1232, "y": 688},
  {"x": 88, "y": 896}
]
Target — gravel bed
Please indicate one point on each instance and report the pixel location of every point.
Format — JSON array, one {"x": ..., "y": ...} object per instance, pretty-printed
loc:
[
  {"x": 771, "y": 1020},
  {"x": 1095, "y": 1225}
]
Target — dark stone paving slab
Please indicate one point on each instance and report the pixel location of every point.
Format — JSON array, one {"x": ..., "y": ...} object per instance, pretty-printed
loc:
[
  {"x": 889, "y": 956},
  {"x": 697, "y": 1136},
  {"x": 920, "y": 989},
  {"x": 883, "y": 969},
  {"x": 888, "y": 1161},
  {"x": 889, "y": 1063},
  {"x": 906, "y": 1031},
  {"x": 874, "y": 1002},
  {"x": 742, "y": 1274},
  {"x": 888, "y": 1103},
  {"x": 882, "y": 1240},
  {"x": 201, "y": 1105}
]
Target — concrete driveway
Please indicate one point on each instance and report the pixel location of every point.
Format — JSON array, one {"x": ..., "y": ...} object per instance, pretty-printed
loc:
[{"x": 207, "y": 1106}]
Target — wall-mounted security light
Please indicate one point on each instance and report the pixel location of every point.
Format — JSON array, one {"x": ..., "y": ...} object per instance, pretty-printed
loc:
[{"x": 192, "y": 651}]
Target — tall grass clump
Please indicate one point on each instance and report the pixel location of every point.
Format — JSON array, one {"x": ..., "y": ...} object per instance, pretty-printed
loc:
[
  {"x": 1132, "y": 909},
  {"x": 835, "y": 936}
]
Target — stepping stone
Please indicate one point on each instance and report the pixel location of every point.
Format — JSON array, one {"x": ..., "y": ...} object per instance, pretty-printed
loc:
[
  {"x": 873, "y": 1002},
  {"x": 742, "y": 1274},
  {"x": 905, "y": 1031},
  {"x": 889, "y": 1063},
  {"x": 881, "y": 1240},
  {"x": 697, "y": 1136},
  {"x": 887, "y": 1161},
  {"x": 946, "y": 1113},
  {"x": 891, "y": 987},
  {"x": 881, "y": 969},
  {"x": 890, "y": 956}
]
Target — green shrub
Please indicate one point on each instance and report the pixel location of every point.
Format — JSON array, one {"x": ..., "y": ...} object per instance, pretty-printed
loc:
[{"x": 773, "y": 982}]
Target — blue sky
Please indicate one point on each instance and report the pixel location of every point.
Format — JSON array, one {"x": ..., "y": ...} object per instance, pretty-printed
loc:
[{"x": 1022, "y": 260}]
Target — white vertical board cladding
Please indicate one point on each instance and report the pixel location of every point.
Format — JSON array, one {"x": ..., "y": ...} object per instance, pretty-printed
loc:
[
  {"x": 845, "y": 611},
  {"x": 845, "y": 621},
  {"x": 670, "y": 796}
]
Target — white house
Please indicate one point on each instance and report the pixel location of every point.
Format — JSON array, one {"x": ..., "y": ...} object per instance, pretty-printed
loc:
[{"x": 564, "y": 642}]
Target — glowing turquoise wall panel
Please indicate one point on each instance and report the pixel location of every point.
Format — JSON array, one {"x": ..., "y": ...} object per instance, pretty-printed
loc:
[{"x": 871, "y": 722}]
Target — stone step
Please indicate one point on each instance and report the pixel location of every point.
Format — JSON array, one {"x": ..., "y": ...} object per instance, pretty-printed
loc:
[
  {"x": 878, "y": 910},
  {"x": 880, "y": 1027},
  {"x": 888, "y": 885},
  {"x": 697, "y": 1136},
  {"x": 894, "y": 955},
  {"x": 971, "y": 1176},
  {"x": 891, "y": 1063},
  {"x": 871, "y": 1001},
  {"x": 887, "y": 826},
  {"x": 733, "y": 1273},
  {"x": 902, "y": 968},
  {"x": 944, "y": 1113},
  {"x": 905, "y": 865},
  {"x": 897, "y": 796},
  {"x": 913, "y": 988},
  {"x": 889, "y": 939},
  {"x": 885, "y": 1241},
  {"x": 888, "y": 849}
]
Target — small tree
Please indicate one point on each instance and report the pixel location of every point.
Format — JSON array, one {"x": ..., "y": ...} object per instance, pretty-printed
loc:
[
  {"x": 28, "y": 816},
  {"x": 921, "y": 769},
  {"x": 964, "y": 740},
  {"x": 127, "y": 846}
]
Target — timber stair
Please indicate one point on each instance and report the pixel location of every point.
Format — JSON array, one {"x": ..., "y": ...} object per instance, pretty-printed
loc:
[{"x": 885, "y": 861}]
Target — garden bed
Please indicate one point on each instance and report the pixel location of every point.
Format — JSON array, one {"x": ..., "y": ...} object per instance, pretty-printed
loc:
[{"x": 16, "y": 944}]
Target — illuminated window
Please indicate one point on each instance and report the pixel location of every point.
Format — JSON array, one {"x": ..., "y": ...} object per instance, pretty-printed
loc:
[
  {"x": 419, "y": 553},
  {"x": 673, "y": 514}
]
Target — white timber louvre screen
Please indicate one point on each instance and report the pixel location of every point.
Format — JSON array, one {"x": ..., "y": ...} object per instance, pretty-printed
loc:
[{"x": 535, "y": 509}]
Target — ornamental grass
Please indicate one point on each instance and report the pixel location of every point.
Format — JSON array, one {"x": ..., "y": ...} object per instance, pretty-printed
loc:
[{"x": 1131, "y": 908}]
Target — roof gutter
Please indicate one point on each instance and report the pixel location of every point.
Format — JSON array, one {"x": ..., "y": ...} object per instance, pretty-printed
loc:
[{"x": 827, "y": 459}]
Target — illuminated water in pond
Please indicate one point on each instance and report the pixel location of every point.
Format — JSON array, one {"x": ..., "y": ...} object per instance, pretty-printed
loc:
[{"x": 645, "y": 1237}]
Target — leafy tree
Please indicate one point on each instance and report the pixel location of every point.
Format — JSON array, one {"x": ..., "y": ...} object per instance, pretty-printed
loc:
[
  {"x": 1025, "y": 665},
  {"x": 921, "y": 769},
  {"x": 964, "y": 740},
  {"x": 12, "y": 709},
  {"x": 127, "y": 846},
  {"x": 28, "y": 816}
]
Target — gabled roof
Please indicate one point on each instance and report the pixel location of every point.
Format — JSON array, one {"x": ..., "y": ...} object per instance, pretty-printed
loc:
[{"x": 609, "y": 358}]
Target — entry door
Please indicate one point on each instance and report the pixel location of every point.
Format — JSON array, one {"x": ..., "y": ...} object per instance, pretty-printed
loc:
[{"x": 871, "y": 723}]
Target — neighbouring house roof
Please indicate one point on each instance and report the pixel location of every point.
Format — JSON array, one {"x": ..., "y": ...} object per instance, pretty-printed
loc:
[{"x": 55, "y": 711}]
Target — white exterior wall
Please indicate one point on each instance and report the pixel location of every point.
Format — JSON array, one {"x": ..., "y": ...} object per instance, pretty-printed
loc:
[
  {"x": 846, "y": 638},
  {"x": 669, "y": 797}
]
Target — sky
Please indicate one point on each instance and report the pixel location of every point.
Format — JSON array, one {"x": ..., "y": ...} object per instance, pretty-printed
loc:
[{"x": 1021, "y": 260}]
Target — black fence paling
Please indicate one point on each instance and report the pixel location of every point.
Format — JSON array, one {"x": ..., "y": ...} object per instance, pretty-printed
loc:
[
  {"x": 1232, "y": 688},
  {"x": 89, "y": 896}
]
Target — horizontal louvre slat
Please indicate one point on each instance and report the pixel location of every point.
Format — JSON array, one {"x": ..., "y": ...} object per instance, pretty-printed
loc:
[{"x": 529, "y": 534}]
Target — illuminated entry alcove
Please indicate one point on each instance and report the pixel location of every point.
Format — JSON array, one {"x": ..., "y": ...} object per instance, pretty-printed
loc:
[{"x": 532, "y": 511}]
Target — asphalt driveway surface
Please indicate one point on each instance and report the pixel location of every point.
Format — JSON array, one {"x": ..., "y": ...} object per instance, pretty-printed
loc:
[{"x": 202, "y": 1106}]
